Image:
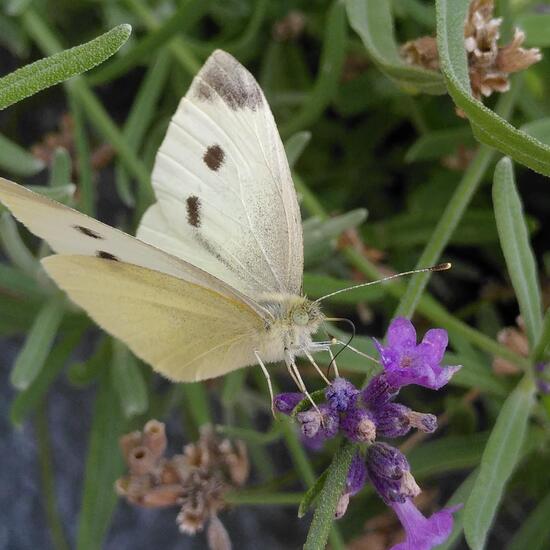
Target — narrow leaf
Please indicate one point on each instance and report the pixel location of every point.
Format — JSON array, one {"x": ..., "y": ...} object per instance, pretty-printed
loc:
[
  {"x": 128, "y": 381},
  {"x": 373, "y": 22},
  {"x": 328, "y": 498},
  {"x": 16, "y": 160},
  {"x": 59, "y": 67},
  {"x": 60, "y": 173},
  {"x": 487, "y": 126},
  {"x": 514, "y": 241},
  {"x": 437, "y": 144},
  {"x": 103, "y": 466},
  {"x": 498, "y": 462},
  {"x": 37, "y": 345},
  {"x": 28, "y": 400}
]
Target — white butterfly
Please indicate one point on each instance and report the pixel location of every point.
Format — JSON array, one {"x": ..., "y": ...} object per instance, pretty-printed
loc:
[{"x": 212, "y": 283}]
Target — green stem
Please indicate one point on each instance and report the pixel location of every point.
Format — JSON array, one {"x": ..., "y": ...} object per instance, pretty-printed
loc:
[{"x": 53, "y": 519}]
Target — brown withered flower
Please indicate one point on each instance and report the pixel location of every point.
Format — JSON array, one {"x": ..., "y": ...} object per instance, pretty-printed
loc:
[
  {"x": 490, "y": 65},
  {"x": 289, "y": 27},
  {"x": 196, "y": 480}
]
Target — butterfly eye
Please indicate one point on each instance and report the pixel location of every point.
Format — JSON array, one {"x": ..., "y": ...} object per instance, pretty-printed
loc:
[{"x": 300, "y": 317}]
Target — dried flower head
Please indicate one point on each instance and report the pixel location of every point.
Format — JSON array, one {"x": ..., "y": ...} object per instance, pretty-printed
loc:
[
  {"x": 289, "y": 27},
  {"x": 490, "y": 65},
  {"x": 421, "y": 52},
  {"x": 196, "y": 480}
]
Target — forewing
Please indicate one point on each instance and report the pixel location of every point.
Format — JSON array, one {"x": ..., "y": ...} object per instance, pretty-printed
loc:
[
  {"x": 68, "y": 231},
  {"x": 184, "y": 331},
  {"x": 225, "y": 195}
]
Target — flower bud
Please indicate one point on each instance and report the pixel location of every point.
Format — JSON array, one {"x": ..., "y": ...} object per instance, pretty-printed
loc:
[
  {"x": 341, "y": 394},
  {"x": 358, "y": 425},
  {"x": 286, "y": 402}
]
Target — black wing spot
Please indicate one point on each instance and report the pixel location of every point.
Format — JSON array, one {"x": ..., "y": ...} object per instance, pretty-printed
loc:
[
  {"x": 88, "y": 232},
  {"x": 214, "y": 157},
  {"x": 106, "y": 256},
  {"x": 193, "y": 211},
  {"x": 231, "y": 81}
]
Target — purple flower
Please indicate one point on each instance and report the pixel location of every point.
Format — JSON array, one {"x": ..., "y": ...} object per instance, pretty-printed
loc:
[
  {"x": 355, "y": 481},
  {"x": 286, "y": 402},
  {"x": 406, "y": 363},
  {"x": 341, "y": 394},
  {"x": 390, "y": 473},
  {"x": 422, "y": 533},
  {"x": 316, "y": 426},
  {"x": 378, "y": 392}
]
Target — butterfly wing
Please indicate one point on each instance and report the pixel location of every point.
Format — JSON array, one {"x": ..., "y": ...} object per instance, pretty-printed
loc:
[
  {"x": 185, "y": 331},
  {"x": 225, "y": 196},
  {"x": 68, "y": 231}
]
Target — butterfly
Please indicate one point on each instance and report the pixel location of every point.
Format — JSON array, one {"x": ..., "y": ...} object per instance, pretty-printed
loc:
[{"x": 212, "y": 282}]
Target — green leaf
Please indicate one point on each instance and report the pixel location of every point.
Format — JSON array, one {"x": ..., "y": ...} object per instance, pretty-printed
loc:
[
  {"x": 514, "y": 241},
  {"x": 295, "y": 145},
  {"x": 103, "y": 466},
  {"x": 60, "y": 173},
  {"x": 329, "y": 496},
  {"x": 35, "y": 350},
  {"x": 61, "y": 66},
  {"x": 16, "y": 160},
  {"x": 128, "y": 381},
  {"x": 534, "y": 533},
  {"x": 487, "y": 126},
  {"x": 535, "y": 26},
  {"x": 28, "y": 400},
  {"x": 14, "y": 247},
  {"x": 372, "y": 21},
  {"x": 498, "y": 462},
  {"x": 311, "y": 494}
]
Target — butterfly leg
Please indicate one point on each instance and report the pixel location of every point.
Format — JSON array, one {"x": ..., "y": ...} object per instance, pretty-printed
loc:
[
  {"x": 316, "y": 366},
  {"x": 268, "y": 378},
  {"x": 295, "y": 373}
]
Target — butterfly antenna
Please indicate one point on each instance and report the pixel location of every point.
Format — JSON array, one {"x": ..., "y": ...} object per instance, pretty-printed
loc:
[{"x": 434, "y": 268}]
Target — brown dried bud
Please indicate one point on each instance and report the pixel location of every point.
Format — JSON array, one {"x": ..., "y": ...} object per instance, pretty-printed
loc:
[
  {"x": 127, "y": 442},
  {"x": 513, "y": 58},
  {"x": 141, "y": 461},
  {"x": 421, "y": 52},
  {"x": 154, "y": 437}
]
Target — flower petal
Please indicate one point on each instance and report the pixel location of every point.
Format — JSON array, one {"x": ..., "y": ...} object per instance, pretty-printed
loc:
[
  {"x": 401, "y": 334},
  {"x": 422, "y": 533},
  {"x": 437, "y": 339}
]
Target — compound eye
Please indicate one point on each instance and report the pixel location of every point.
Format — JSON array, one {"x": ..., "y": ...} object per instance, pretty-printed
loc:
[{"x": 300, "y": 317}]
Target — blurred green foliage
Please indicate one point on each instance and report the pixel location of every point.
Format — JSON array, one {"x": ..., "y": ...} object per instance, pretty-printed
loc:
[{"x": 364, "y": 132}]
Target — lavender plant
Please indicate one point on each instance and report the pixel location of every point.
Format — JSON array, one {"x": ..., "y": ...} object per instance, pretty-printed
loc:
[{"x": 399, "y": 450}]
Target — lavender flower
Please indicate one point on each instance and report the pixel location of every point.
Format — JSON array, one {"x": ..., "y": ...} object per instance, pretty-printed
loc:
[
  {"x": 422, "y": 533},
  {"x": 286, "y": 402},
  {"x": 341, "y": 394},
  {"x": 363, "y": 415},
  {"x": 406, "y": 363}
]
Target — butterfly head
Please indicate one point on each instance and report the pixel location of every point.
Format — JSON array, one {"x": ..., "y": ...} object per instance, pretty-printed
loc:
[{"x": 304, "y": 313}]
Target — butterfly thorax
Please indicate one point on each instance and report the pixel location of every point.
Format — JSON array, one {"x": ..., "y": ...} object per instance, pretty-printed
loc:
[{"x": 292, "y": 322}]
